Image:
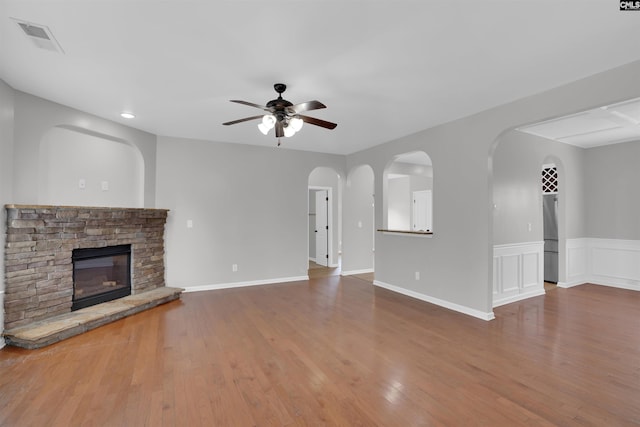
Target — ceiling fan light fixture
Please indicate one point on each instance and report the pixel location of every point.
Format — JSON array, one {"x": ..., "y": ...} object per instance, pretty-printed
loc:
[
  {"x": 296, "y": 123},
  {"x": 282, "y": 115},
  {"x": 264, "y": 129},
  {"x": 289, "y": 131},
  {"x": 269, "y": 121}
]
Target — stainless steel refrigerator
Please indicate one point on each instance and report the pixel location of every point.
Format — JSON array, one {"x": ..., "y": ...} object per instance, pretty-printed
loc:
[{"x": 550, "y": 226}]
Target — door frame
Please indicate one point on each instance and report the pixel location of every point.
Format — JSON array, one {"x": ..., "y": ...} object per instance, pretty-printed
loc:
[
  {"x": 428, "y": 209},
  {"x": 329, "y": 190}
]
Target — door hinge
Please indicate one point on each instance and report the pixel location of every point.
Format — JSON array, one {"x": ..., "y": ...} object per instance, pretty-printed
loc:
[
  {"x": 327, "y": 227},
  {"x": 327, "y": 256},
  {"x": 327, "y": 199}
]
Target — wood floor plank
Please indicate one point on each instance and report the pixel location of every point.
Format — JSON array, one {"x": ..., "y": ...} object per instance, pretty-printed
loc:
[{"x": 337, "y": 351}]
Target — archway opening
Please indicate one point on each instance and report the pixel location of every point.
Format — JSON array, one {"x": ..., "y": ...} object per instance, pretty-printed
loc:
[
  {"x": 408, "y": 193},
  {"x": 325, "y": 227}
]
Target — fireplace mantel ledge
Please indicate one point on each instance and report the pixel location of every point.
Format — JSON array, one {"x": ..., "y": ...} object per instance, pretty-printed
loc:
[{"x": 108, "y": 208}]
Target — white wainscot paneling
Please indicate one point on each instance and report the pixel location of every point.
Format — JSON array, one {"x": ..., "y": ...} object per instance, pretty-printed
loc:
[
  {"x": 517, "y": 272},
  {"x": 614, "y": 263},
  {"x": 576, "y": 262}
]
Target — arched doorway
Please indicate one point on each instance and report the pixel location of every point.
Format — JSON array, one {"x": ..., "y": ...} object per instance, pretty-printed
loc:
[
  {"x": 325, "y": 227},
  {"x": 550, "y": 188}
]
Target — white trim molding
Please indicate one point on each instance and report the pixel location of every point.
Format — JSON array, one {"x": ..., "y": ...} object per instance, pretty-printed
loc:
[
  {"x": 352, "y": 272},
  {"x": 436, "y": 301},
  {"x": 606, "y": 262},
  {"x": 576, "y": 261},
  {"x": 243, "y": 284},
  {"x": 518, "y": 272},
  {"x": 614, "y": 262}
]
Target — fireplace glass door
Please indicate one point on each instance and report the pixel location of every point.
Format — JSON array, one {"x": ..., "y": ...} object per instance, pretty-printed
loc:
[{"x": 100, "y": 275}]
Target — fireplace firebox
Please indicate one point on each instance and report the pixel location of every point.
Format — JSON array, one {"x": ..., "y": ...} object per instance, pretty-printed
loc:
[{"x": 100, "y": 275}]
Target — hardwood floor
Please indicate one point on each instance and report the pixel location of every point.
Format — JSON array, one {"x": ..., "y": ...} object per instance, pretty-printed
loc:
[
  {"x": 337, "y": 351},
  {"x": 317, "y": 271}
]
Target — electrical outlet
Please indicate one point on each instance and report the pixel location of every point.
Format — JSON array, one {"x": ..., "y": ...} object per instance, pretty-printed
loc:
[
  {"x": 417, "y": 275},
  {"x": 234, "y": 267},
  {"x": 82, "y": 184},
  {"x": 105, "y": 185}
]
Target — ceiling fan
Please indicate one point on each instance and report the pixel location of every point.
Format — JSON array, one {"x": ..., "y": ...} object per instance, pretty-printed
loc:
[{"x": 283, "y": 115}]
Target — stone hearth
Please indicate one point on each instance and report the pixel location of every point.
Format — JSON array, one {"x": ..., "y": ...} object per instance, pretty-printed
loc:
[
  {"x": 39, "y": 245},
  {"x": 54, "y": 329}
]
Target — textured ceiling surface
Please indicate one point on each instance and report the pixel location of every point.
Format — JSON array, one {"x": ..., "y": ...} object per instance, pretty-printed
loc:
[{"x": 384, "y": 68}]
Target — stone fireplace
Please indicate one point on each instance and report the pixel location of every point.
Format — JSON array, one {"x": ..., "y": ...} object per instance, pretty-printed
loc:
[
  {"x": 100, "y": 275},
  {"x": 40, "y": 245}
]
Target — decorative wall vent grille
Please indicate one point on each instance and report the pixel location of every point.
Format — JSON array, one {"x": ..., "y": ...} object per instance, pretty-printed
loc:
[{"x": 549, "y": 180}]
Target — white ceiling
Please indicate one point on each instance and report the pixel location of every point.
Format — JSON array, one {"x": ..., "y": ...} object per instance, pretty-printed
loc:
[
  {"x": 609, "y": 124},
  {"x": 384, "y": 68}
]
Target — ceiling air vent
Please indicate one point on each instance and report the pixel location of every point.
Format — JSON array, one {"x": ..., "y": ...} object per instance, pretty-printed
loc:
[{"x": 40, "y": 35}]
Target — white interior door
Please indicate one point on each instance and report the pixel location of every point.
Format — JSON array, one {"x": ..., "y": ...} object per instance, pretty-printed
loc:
[
  {"x": 322, "y": 228},
  {"x": 422, "y": 216}
]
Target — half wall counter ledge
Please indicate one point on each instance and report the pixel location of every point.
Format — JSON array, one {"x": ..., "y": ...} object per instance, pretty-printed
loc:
[
  {"x": 407, "y": 232},
  {"x": 122, "y": 249}
]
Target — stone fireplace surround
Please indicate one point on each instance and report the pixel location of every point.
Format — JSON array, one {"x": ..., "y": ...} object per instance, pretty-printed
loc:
[{"x": 39, "y": 245}]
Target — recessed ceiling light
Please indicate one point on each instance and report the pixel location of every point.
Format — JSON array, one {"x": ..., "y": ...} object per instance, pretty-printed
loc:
[{"x": 126, "y": 115}]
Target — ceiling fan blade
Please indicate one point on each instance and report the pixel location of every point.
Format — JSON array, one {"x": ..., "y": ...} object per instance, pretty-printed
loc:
[
  {"x": 251, "y": 104},
  {"x": 246, "y": 119},
  {"x": 305, "y": 106},
  {"x": 279, "y": 130},
  {"x": 318, "y": 122}
]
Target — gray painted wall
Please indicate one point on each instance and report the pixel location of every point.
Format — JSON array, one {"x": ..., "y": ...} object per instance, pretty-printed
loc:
[
  {"x": 248, "y": 205},
  {"x": 34, "y": 117},
  {"x": 517, "y": 189},
  {"x": 68, "y": 156},
  {"x": 613, "y": 202},
  {"x": 398, "y": 203},
  {"x": 6, "y": 175},
  {"x": 456, "y": 264},
  {"x": 312, "y": 224},
  {"x": 358, "y": 233}
]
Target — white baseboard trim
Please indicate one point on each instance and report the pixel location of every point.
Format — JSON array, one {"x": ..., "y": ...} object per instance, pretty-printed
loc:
[
  {"x": 352, "y": 272},
  {"x": 436, "y": 301},
  {"x": 615, "y": 284},
  {"x": 243, "y": 284},
  {"x": 519, "y": 297},
  {"x": 567, "y": 285}
]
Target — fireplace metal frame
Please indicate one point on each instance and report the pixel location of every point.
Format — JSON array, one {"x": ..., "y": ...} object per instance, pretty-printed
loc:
[{"x": 94, "y": 253}]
